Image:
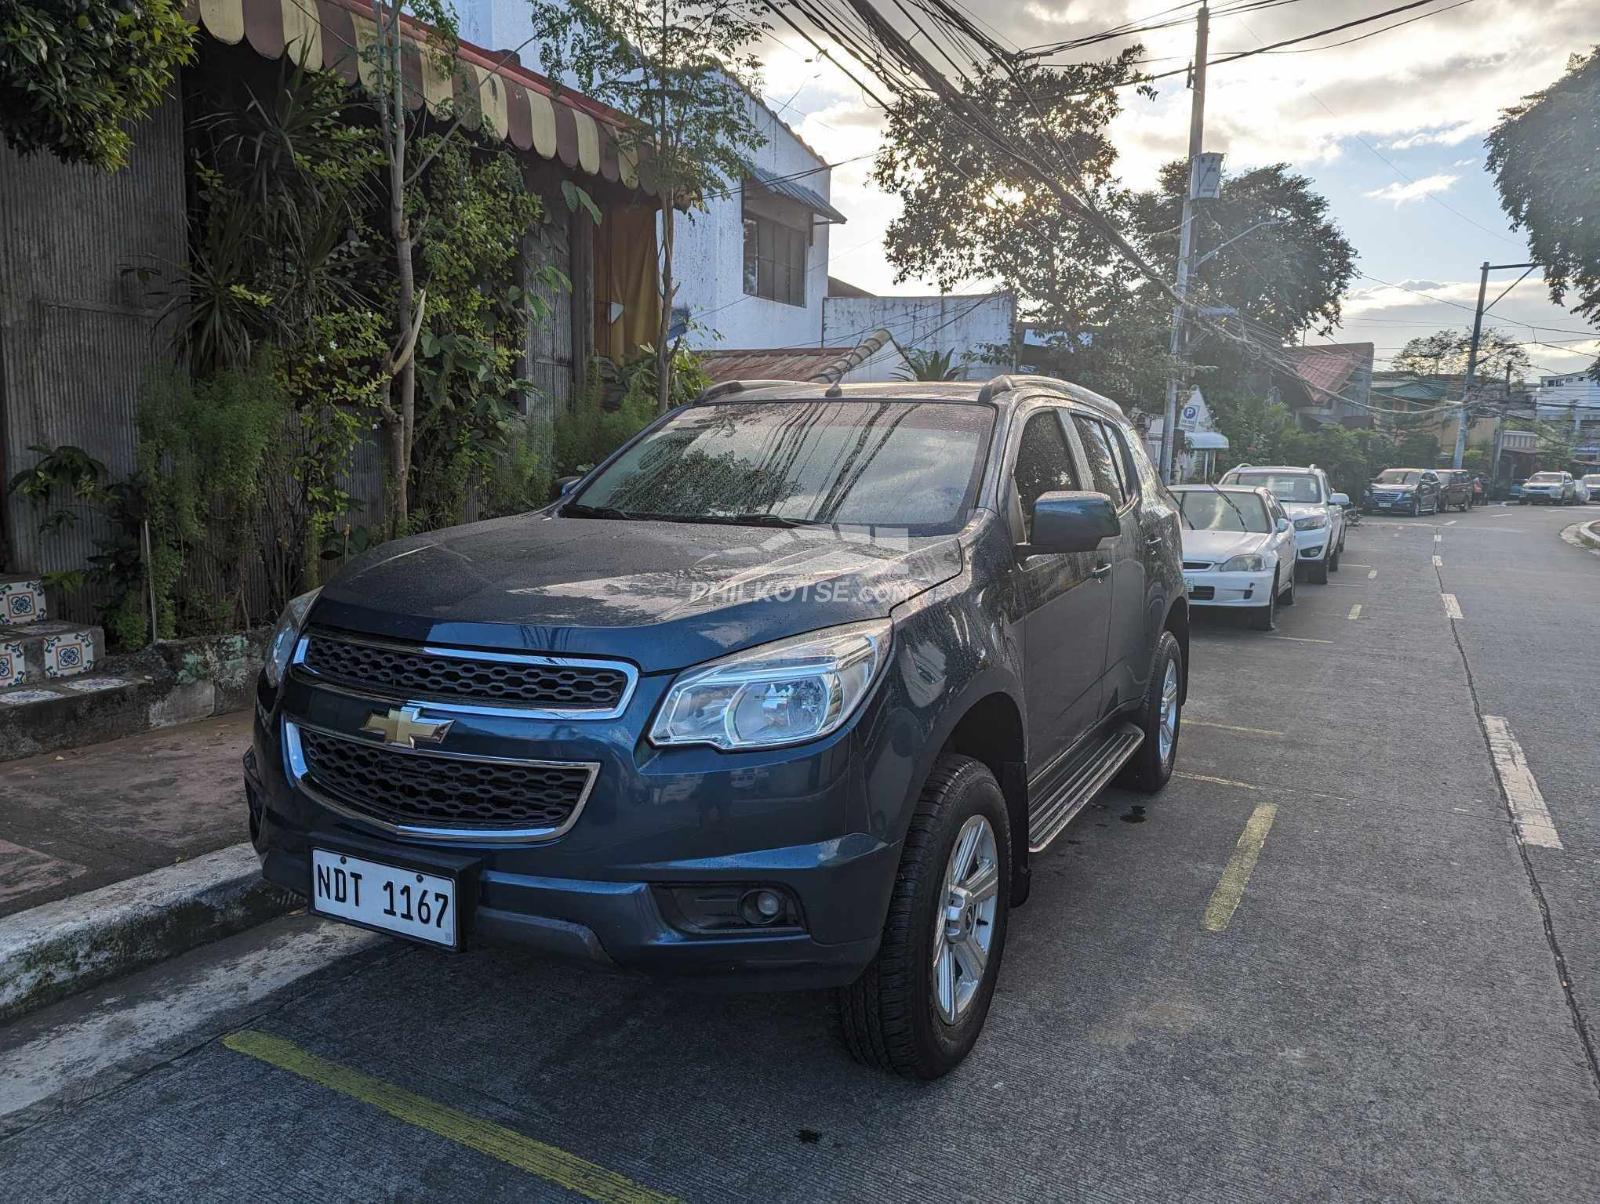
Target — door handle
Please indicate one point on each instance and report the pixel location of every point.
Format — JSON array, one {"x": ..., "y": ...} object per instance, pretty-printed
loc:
[
  {"x": 1153, "y": 540},
  {"x": 1100, "y": 570}
]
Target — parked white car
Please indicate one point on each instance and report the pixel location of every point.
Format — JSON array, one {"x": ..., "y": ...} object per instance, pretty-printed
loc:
[
  {"x": 1552, "y": 488},
  {"x": 1238, "y": 550},
  {"x": 1589, "y": 488},
  {"x": 1315, "y": 510}
]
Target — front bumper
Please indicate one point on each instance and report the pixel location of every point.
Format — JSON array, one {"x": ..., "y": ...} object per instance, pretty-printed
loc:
[
  {"x": 1311, "y": 545},
  {"x": 1228, "y": 589},
  {"x": 658, "y": 821}
]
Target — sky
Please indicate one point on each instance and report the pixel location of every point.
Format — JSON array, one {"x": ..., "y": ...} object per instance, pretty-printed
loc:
[{"x": 1389, "y": 128}]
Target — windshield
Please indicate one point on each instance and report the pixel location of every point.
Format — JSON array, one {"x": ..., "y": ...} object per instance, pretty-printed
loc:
[
  {"x": 1285, "y": 486},
  {"x": 1399, "y": 476},
  {"x": 1548, "y": 478},
  {"x": 908, "y": 464},
  {"x": 1208, "y": 510},
  {"x": 1592, "y": 479}
]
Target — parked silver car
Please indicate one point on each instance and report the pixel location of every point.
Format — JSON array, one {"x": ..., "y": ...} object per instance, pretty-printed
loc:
[{"x": 1552, "y": 488}]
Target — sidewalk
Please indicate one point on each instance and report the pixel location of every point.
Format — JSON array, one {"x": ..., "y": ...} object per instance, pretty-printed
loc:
[{"x": 83, "y": 818}]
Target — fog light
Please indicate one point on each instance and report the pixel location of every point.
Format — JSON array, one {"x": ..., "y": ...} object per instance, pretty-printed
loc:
[
  {"x": 730, "y": 908},
  {"x": 766, "y": 904}
]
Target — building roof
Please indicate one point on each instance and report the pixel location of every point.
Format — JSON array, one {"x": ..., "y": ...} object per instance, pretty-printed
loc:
[
  {"x": 522, "y": 106},
  {"x": 789, "y": 186},
  {"x": 1328, "y": 367},
  {"x": 843, "y": 288},
  {"x": 824, "y": 365}
]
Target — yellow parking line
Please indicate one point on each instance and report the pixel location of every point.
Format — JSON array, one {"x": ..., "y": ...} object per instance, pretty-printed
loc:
[
  {"x": 1202, "y": 777},
  {"x": 1228, "y": 727},
  {"x": 554, "y": 1165},
  {"x": 1236, "y": 874},
  {"x": 1355, "y": 611}
]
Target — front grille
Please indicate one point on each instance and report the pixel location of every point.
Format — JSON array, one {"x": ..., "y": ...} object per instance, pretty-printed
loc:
[
  {"x": 439, "y": 791},
  {"x": 1203, "y": 593},
  {"x": 1196, "y": 564},
  {"x": 414, "y": 672}
]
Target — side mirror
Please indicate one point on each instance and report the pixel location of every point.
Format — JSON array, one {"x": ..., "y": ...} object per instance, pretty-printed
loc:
[
  {"x": 1070, "y": 521},
  {"x": 1283, "y": 525},
  {"x": 562, "y": 487},
  {"x": 1341, "y": 500}
]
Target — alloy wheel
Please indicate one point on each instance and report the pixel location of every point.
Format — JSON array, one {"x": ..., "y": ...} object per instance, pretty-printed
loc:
[
  {"x": 964, "y": 926},
  {"x": 1167, "y": 734}
]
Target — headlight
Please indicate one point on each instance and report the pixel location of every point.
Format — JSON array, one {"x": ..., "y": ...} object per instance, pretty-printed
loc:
[
  {"x": 781, "y": 693},
  {"x": 1252, "y": 563},
  {"x": 281, "y": 646},
  {"x": 1312, "y": 522}
]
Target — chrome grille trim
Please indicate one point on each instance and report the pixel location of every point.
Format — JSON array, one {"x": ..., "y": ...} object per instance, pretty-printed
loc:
[
  {"x": 295, "y": 764},
  {"x": 377, "y": 692}
]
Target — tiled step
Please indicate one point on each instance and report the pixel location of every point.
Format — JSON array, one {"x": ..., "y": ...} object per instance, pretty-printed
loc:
[
  {"x": 41, "y": 651},
  {"x": 21, "y": 600}
]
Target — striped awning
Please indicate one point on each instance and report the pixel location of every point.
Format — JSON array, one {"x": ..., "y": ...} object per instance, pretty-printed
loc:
[{"x": 520, "y": 105}]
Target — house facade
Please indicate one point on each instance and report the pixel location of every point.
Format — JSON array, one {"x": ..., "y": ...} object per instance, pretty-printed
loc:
[{"x": 751, "y": 265}]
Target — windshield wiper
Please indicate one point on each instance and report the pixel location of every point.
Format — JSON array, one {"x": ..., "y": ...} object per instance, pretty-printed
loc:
[
  {"x": 752, "y": 520},
  {"x": 579, "y": 510}
]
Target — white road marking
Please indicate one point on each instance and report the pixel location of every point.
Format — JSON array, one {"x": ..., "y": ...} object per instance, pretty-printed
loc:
[
  {"x": 1296, "y": 639},
  {"x": 1355, "y": 612},
  {"x": 1228, "y": 727},
  {"x": 1372, "y": 574},
  {"x": 1438, "y": 537},
  {"x": 1452, "y": 522},
  {"x": 1534, "y": 825},
  {"x": 1438, "y": 562},
  {"x": 1354, "y": 565},
  {"x": 1452, "y": 608}
]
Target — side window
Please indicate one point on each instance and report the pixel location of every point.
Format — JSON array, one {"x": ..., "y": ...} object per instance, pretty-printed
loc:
[
  {"x": 1123, "y": 459},
  {"x": 1102, "y": 460},
  {"x": 1044, "y": 464}
]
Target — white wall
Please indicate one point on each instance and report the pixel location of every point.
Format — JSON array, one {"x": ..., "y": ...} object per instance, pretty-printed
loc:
[
  {"x": 965, "y": 326},
  {"x": 708, "y": 261}
]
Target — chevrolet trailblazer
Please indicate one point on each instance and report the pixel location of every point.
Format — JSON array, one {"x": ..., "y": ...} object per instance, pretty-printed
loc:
[{"x": 787, "y": 692}]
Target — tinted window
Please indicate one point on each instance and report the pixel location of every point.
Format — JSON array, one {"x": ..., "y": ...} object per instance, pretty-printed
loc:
[
  {"x": 905, "y": 464},
  {"x": 1285, "y": 486},
  {"x": 1044, "y": 464},
  {"x": 1097, "y": 448}
]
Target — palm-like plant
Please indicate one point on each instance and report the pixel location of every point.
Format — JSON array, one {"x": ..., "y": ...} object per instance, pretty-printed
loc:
[{"x": 930, "y": 365}]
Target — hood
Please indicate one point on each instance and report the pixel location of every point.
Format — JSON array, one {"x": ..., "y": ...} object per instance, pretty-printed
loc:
[
  {"x": 661, "y": 594},
  {"x": 1301, "y": 509},
  {"x": 1385, "y": 487},
  {"x": 1219, "y": 545}
]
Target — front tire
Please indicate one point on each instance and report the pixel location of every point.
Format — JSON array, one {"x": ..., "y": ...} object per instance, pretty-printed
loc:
[
  {"x": 1288, "y": 594},
  {"x": 920, "y": 1005},
  {"x": 1317, "y": 571},
  {"x": 1160, "y": 717},
  {"x": 1265, "y": 618}
]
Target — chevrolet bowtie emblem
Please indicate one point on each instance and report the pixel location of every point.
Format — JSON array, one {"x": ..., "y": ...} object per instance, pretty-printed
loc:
[{"x": 405, "y": 726}]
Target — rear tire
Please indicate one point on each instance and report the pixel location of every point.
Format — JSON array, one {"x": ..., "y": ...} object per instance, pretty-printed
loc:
[
  {"x": 891, "y": 1017},
  {"x": 1149, "y": 769}
]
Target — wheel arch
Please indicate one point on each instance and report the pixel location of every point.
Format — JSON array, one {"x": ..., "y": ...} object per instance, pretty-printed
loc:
[
  {"x": 990, "y": 731},
  {"x": 1178, "y": 623}
]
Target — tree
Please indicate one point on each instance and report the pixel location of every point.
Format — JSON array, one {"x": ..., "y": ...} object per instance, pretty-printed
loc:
[
  {"x": 971, "y": 211},
  {"x": 1265, "y": 247},
  {"x": 1445, "y": 353},
  {"x": 1543, "y": 155},
  {"x": 74, "y": 74},
  {"x": 683, "y": 72}
]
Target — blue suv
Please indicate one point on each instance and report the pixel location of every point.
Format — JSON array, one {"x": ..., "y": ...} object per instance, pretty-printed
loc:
[{"x": 785, "y": 693}]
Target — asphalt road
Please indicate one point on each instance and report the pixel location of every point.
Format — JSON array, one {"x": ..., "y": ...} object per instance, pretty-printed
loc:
[{"x": 1322, "y": 965}]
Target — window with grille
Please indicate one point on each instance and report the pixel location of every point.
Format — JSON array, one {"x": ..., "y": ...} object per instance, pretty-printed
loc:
[{"x": 774, "y": 260}]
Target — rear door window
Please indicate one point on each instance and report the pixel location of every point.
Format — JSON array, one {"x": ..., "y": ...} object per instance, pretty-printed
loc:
[{"x": 1102, "y": 455}]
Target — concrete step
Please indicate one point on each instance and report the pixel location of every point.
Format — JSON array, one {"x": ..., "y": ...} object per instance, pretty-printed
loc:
[
  {"x": 42, "y": 651},
  {"x": 21, "y": 599}
]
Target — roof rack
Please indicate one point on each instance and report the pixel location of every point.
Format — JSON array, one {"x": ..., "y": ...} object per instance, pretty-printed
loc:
[{"x": 724, "y": 388}]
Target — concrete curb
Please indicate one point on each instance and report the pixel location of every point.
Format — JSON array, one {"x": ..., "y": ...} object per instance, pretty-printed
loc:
[
  {"x": 61, "y": 948},
  {"x": 1590, "y": 533}
]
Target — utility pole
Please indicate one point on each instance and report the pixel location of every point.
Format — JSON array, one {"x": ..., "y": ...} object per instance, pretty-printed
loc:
[
  {"x": 1197, "y": 122},
  {"x": 1472, "y": 353}
]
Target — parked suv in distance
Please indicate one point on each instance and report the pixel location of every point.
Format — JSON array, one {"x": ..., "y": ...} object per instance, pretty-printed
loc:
[
  {"x": 1413, "y": 491},
  {"x": 1552, "y": 488},
  {"x": 1316, "y": 511},
  {"x": 787, "y": 692},
  {"x": 1455, "y": 489}
]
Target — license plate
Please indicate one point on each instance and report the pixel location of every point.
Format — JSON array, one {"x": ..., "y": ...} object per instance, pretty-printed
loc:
[
  {"x": 1384, "y": 505},
  {"x": 387, "y": 897}
]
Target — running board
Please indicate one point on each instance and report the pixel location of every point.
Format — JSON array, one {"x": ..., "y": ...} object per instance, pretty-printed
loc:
[{"x": 1080, "y": 782}]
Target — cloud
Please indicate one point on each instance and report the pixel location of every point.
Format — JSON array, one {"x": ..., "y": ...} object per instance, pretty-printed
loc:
[{"x": 1404, "y": 192}]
